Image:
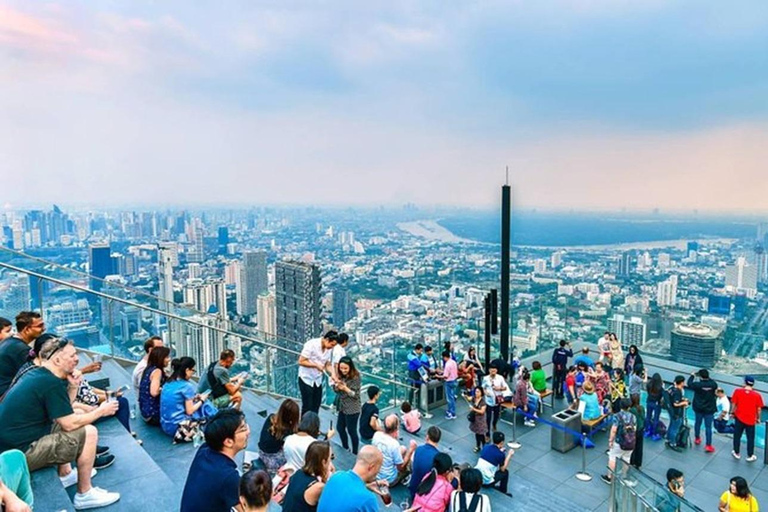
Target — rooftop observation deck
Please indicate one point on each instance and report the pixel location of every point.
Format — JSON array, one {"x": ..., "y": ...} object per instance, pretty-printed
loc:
[{"x": 153, "y": 475}]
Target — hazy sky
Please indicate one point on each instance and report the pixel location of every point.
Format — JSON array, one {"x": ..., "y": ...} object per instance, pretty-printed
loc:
[{"x": 592, "y": 103}]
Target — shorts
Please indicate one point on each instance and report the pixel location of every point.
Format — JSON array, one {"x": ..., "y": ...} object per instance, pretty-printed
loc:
[
  {"x": 617, "y": 452},
  {"x": 222, "y": 402},
  {"x": 56, "y": 448}
]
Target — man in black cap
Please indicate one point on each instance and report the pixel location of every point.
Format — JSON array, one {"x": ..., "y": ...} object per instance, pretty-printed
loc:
[{"x": 704, "y": 406}]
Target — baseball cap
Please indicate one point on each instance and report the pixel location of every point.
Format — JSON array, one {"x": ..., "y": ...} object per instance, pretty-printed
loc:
[{"x": 749, "y": 380}]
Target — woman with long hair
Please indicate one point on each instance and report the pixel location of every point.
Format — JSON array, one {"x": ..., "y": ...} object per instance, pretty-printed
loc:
[
  {"x": 307, "y": 483},
  {"x": 738, "y": 497},
  {"x": 152, "y": 381},
  {"x": 468, "y": 496},
  {"x": 296, "y": 445},
  {"x": 637, "y": 410},
  {"x": 182, "y": 410},
  {"x": 655, "y": 389},
  {"x": 617, "y": 353},
  {"x": 434, "y": 492},
  {"x": 276, "y": 428},
  {"x": 348, "y": 388},
  {"x": 633, "y": 360},
  {"x": 477, "y": 424},
  {"x": 255, "y": 491}
]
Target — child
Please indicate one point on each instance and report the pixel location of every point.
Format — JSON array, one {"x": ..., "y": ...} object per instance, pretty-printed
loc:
[
  {"x": 411, "y": 418},
  {"x": 722, "y": 414}
]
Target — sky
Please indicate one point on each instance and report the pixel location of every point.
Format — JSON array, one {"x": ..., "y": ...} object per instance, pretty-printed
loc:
[{"x": 593, "y": 104}]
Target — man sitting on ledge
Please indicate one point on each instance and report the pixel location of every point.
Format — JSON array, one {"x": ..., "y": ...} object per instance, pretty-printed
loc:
[
  {"x": 224, "y": 390},
  {"x": 37, "y": 419}
]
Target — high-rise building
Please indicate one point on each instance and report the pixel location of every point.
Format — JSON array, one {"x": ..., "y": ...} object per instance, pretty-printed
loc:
[
  {"x": 17, "y": 297},
  {"x": 696, "y": 344},
  {"x": 761, "y": 263},
  {"x": 267, "y": 316},
  {"x": 741, "y": 277},
  {"x": 200, "y": 341},
  {"x": 297, "y": 297},
  {"x": 664, "y": 260},
  {"x": 540, "y": 266},
  {"x": 625, "y": 260},
  {"x": 631, "y": 330},
  {"x": 343, "y": 307},
  {"x": 223, "y": 239},
  {"x": 666, "y": 292},
  {"x": 165, "y": 277},
  {"x": 193, "y": 270},
  {"x": 556, "y": 259},
  {"x": 719, "y": 304},
  {"x": 253, "y": 281},
  {"x": 99, "y": 263}
]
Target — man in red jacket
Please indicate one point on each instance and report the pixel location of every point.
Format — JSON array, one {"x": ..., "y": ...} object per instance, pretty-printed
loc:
[{"x": 746, "y": 406}]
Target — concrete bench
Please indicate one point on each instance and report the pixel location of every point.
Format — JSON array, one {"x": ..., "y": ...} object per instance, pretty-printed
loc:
[{"x": 50, "y": 495}]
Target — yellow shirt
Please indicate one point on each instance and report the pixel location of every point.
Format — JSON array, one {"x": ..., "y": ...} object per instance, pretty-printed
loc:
[{"x": 736, "y": 504}]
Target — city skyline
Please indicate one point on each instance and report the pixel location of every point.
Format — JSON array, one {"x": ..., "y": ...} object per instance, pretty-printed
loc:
[{"x": 621, "y": 106}]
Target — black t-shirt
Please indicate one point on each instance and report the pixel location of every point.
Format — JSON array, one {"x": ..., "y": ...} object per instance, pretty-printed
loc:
[
  {"x": 677, "y": 396},
  {"x": 213, "y": 483},
  {"x": 294, "y": 497},
  {"x": 13, "y": 354},
  {"x": 369, "y": 410},
  {"x": 28, "y": 411},
  {"x": 267, "y": 442}
]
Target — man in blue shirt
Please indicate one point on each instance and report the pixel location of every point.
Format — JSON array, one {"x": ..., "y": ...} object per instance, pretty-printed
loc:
[
  {"x": 213, "y": 481},
  {"x": 350, "y": 491},
  {"x": 423, "y": 458},
  {"x": 493, "y": 463},
  {"x": 584, "y": 358}
]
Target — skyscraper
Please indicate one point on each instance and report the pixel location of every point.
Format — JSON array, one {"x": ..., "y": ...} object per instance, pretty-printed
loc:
[
  {"x": 267, "y": 316},
  {"x": 695, "y": 344},
  {"x": 631, "y": 330},
  {"x": 666, "y": 292},
  {"x": 343, "y": 307},
  {"x": 625, "y": 262},
  {"x": 99, "y": 263},
  {"x": 253, "y": 281},
  {"x": 297, "y": 287},
  {"x": 556, "y": 259},
  {"x": 165, "y": 278},
  {"x": 223, "y": 239},
  {"x": 741, "y": 277},
  {"x": 761, "y": 262}
]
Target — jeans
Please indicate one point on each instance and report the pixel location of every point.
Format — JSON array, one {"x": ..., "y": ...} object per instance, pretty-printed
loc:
[
  {"x": 674, "y": 426},
  {"x": 123, "y": 413},
  {"x": 347, "y": 423},
  {"x": 450, "y": 396},
  {"x": 533, "y": 403},
  {"x": 652, "y": 412},
  {"x": 558, "y": 380},
  {"x": 723, "y": 427},
  {"x": 14, "y": 473},
  {"x": 311, "y": 396},
  {"x": 738, "y": 429},
  {"x": 501, "y": 478},
  {"x": 492, "y": 411},
  {"x": 707, "y": 419}
]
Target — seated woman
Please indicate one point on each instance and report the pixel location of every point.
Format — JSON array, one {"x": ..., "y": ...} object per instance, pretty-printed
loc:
[
  {"x": 152, "y": 381},
  {"x": 467, "y": 373},
  {"x": 306, "y": 484},
  {"x": 592, "y": 409},
  {"x": 276, "y": 428},
  {"x": 526, "y": 399},
  {"x": 182, "y": 410},
  {"x": 255, "y": 491},
  {"x": 538, "y": 378},
  {"x": 468, "y": 496},
  {"x": 295, "y": 446},
  {"x": 473, "y": 360},
  {"x": 434, "y": 492}
]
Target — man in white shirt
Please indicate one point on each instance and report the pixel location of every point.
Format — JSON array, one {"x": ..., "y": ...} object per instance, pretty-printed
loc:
[
  {"x": 397, "y": 459},
  {"x": 154, "y": 341},
  {"x": 723, "y": 412},
  {"x": 314, "y": 361}
]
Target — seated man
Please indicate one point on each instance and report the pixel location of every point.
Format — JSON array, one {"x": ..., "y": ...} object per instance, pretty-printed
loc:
[
  {"x": 213, "y": 481},
  {"x": 351, "y": 491},
  {"x": 15, "y": 487},
  {"x": 38, "y": 419},
  {"x": 224, "y": 390},
  {"x": 15, "y": 349},
  {"x": 396, "y": 463},
  {"x": 723, "y": 410},
  {"x": 493, "y": 463}
]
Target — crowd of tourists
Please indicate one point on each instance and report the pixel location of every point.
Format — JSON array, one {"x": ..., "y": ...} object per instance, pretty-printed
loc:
[{"x": 49, "y": 416}]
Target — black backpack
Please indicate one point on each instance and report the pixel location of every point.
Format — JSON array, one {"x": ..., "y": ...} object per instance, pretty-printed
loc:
[{"x": 217, "y": 388}]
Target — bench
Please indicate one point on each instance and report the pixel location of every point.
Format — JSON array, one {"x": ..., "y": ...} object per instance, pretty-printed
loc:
[
  {"x": 592, "y": 424},
  {"x": 544, "y": 394},
  {"x": 48, "y": 491}
]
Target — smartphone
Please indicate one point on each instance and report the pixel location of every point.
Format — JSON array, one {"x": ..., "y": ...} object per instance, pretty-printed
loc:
[
  {"x": 204, "y": 396},
  {"x": 331, "y": 426},
  {"x": 122, "y": 389}
]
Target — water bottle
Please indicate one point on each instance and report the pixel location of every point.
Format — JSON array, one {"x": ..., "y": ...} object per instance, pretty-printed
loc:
[
  {"x": 197, "y": 439},
  {"x": 133, "y": 411}
]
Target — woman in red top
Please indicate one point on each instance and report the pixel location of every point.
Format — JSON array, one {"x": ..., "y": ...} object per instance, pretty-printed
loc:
[{"x": 746, "y": 405}]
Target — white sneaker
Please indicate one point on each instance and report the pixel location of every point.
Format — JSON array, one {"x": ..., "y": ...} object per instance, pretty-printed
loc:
[
  {"x": 736, "y": 455},
  {"x": 95, "y": 498},
  {"x": 71, "y": 478},
  {"x": 752, "y": 458}
]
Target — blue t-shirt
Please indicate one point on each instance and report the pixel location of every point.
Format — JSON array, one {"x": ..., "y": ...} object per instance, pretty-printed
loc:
[
  {"x": 172, "y": 408},
  {"x": 212, "y": 483},
  {"x": 346, "y": 492},
  {"x": 583, "y": 358},
  {"x": 491, "y": 458},
  {"x": 592, "y": 409},
  {"x": 423, "y": 459}
]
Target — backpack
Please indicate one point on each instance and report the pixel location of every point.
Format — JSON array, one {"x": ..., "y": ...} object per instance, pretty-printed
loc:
[
  {"x": 217, "y": 388},
  {"x": 666, "y": 399},
  {"x": 473, "y": 504},
  {"x": 627, "y": 431}
]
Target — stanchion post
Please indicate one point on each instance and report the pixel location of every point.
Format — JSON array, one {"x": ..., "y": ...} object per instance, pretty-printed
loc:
[
  {"x": 514, "y": 444},
  {"x": 584, "y": 475}
]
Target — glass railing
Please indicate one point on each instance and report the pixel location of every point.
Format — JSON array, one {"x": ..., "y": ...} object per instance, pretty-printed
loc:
[
  {"x": 115, "y": 321},
  {"x": 634, "y": 491}
]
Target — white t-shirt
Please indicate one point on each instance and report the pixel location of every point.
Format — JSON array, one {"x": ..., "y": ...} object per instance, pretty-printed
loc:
[
  {"x": 337, "y": 353},
  {"x": 313, "y": 350},
  {"x": 390, "y": 449},
  {"x": 137, "y": 373},
  {"x": 295, "y": 450},
  {"x": 484, "y": 505},
  {"x": 490, "y": 394},
  {"x": 723, "y": 405}
]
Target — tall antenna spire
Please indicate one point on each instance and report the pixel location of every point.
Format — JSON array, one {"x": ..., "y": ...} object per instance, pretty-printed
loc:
[{"x": 506, "y": 182}]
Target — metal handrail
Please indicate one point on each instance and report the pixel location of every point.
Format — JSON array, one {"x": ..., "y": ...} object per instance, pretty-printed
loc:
[{"x": 178, "y": 318}]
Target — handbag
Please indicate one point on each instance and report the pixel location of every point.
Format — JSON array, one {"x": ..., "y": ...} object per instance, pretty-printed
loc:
[{"x": 471, "y": 417}]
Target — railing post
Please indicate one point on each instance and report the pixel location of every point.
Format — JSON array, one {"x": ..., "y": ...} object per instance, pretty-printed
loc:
[
  {"x": 514, "y": 444},
  {"x": 584, "y": 475},
  {"x": 40, "y": 294},
  {"x": 111, "y": 328},
  {"x": 268, "y": 365}
]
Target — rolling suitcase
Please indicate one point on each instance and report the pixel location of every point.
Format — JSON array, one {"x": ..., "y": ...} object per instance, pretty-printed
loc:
[{"x": 684, "y": 434}]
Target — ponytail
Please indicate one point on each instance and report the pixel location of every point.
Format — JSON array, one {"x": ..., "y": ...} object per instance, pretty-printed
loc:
[
  {"x": 441, "y": 465},
  {"x": 179, "y": 368}
]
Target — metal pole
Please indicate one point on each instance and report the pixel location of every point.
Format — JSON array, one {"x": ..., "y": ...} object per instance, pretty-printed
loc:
[
  {"x": 584, "y": 475},
  {"x": 487, "y": 332},
  {"x": 268, "y": 352},
  {"x": 111, "y": 328},
  {"x": 514, "y": 444},
  {"x": 40, "y": 294},
  {"x": 506, "y": 216}
]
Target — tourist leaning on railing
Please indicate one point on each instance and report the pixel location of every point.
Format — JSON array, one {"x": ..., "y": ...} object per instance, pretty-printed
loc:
[
  {"x": 653, "y": 403},
  {"x": 704, "y": 405}
]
